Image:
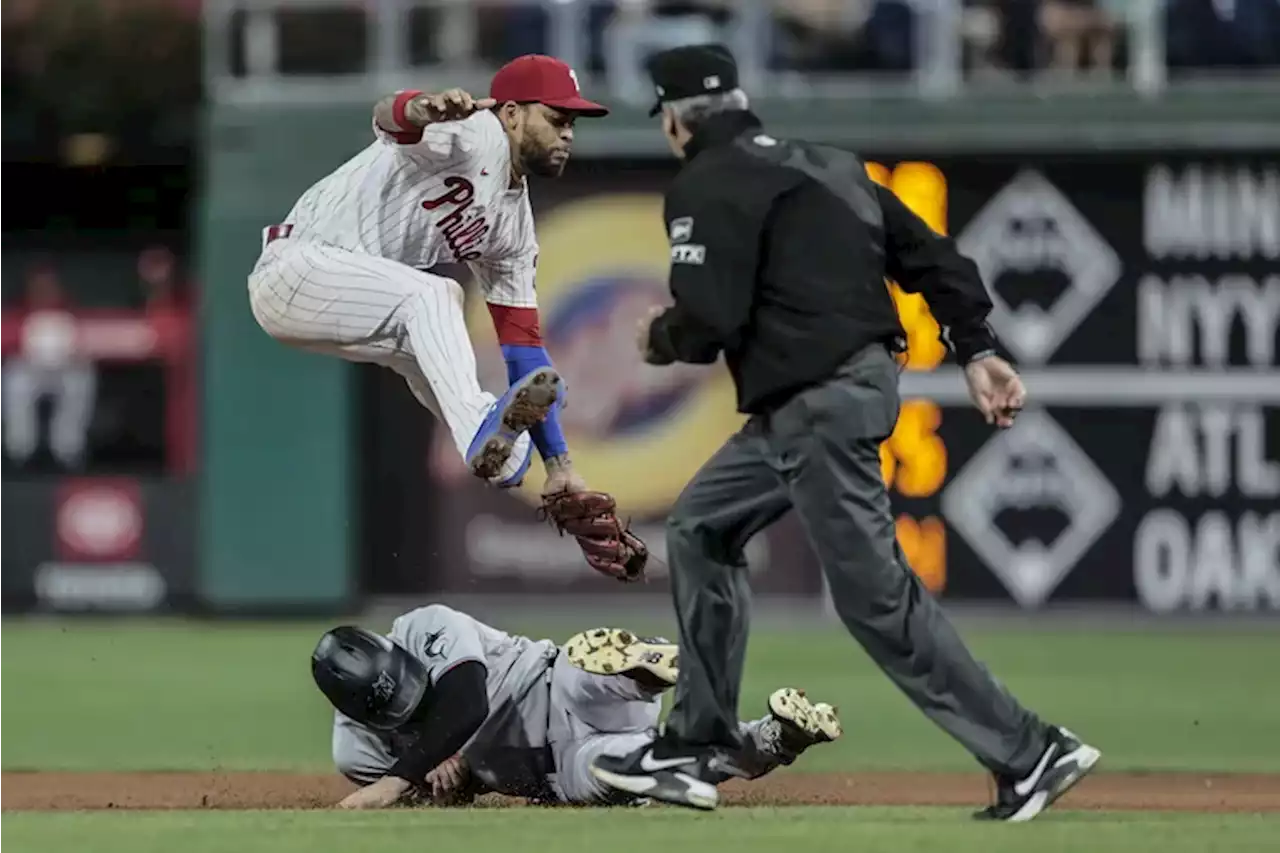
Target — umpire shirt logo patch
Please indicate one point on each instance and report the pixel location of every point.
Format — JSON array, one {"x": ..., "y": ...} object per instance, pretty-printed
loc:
[
  {"x": 681, "y": 229},
  {"x": 688, "y": 254}
]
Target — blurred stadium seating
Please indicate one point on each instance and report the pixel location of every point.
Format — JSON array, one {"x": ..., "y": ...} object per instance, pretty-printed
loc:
[
  {"x": 97, "y": 79},
  {"x": 931, "y": 43}
]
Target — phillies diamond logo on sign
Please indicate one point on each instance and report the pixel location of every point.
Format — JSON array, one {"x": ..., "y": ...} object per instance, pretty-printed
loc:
[
  {"x": 1044, "y": 264},
  {"x": 99, "y": 520},
  {"x": 1030, "y": 504}
]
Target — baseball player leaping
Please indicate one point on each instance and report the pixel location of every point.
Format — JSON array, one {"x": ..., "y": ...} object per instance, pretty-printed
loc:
[
  {"x": 444, "y": 182},
  {"x": 446, "y": 708}
]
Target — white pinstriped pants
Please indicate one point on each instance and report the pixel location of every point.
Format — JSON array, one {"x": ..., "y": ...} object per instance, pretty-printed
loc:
[{"x": 366, "y": 308}]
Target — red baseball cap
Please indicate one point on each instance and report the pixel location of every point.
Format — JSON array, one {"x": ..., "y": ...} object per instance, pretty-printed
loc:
[{"x": 534, "y": 78}]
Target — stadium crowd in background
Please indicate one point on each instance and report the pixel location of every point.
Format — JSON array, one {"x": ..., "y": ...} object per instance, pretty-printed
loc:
[
  {"x": 136, "y": 55},
  {"x": 879, "y": 35}
]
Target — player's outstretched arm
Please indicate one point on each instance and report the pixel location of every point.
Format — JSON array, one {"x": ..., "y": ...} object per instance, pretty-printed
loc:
[
  {"x": 403, "y": 115},
  {"x": 454, "y": 710}
]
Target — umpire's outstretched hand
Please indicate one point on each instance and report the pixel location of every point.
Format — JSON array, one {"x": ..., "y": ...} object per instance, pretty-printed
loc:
[{"x": 996, "y": 389}]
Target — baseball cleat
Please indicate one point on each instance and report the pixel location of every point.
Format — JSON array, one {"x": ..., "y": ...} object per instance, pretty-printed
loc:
[
  {"x": 664, "y": 772},
  {"x": 796, "y": 724},
  {"x": 1064, "y": 762},
  {"x": 525, "y": 404},
  {"x": 516, "y": 477},
  {"x": 613, "y": 651}
]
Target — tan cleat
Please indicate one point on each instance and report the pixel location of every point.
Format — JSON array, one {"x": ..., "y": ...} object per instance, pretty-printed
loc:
[
  {"x": 652, "y": 661},
  {"x": 802, "y": 723}
]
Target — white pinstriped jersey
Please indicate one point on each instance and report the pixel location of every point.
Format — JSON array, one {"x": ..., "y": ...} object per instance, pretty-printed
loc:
[{"x": 445, "y": 199}]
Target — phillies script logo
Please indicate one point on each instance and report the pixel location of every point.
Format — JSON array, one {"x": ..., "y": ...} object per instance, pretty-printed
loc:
[{"x": 465, "y": 227}]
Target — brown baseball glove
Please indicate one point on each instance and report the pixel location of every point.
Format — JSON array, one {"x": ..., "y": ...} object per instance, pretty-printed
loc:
[{"x": 608, "y": 545}]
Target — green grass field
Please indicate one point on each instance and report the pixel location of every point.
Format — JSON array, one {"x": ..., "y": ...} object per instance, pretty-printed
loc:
[
  {"x": 169, "y": 695},
  {"x": 620, "y": 831}
]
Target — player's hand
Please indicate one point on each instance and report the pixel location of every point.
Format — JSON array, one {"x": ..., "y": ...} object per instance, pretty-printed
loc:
[
  {"x": 561, "y": 477},
  {"x": 384, "y": 793},
  {"x": 642, "y": 330},
  {"x": 450, "y": 105},
  {"x": 996, "y": 389},
  {"x": 447, "y": 782}
]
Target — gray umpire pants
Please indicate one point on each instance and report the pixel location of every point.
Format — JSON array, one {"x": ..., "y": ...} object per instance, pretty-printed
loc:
[{"x": 820, "y": 453}]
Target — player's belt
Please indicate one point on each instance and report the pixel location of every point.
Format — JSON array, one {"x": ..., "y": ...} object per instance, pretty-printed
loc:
[{"x": 275, "y": 232}]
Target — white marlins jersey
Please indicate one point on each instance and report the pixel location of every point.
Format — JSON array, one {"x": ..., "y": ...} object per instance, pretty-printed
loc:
[{"x": 444, "y": 199}]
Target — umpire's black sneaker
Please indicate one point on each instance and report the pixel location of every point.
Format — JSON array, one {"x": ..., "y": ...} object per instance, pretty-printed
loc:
[
  {"x": 667, "y": 772},
  {"x": 1064, "y": 762}
]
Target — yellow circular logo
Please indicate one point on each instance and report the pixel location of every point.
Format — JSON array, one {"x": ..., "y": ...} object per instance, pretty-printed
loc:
[{"x": 634, "y": 430}]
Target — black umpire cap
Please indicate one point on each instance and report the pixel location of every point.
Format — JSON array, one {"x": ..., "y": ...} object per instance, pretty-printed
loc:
[{"x": 695, "y": 69}]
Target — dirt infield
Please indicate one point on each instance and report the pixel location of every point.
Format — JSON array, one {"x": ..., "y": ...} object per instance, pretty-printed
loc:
[{"x": 1197, "y": 792}]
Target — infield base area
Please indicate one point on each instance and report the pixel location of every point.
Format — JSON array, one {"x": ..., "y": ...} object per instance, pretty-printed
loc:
[{"x": 1165, "y": 791}]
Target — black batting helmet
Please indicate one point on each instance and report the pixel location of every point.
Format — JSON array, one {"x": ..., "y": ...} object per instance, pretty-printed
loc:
[{"x": 367, "y": 677}]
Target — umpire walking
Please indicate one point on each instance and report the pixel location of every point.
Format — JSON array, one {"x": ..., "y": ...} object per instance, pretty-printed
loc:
[{"x": 779, "y": 253}]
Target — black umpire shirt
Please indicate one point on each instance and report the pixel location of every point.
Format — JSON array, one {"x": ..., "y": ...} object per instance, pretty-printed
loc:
[{"x": 779, "y": 254}]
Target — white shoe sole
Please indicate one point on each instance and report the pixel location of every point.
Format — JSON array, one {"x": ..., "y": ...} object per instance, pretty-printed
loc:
[
  {"x": 1084, "y": 757},
  {"x": 614, "y": 651},
  {"x": 820, "y": 722}
]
